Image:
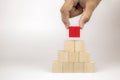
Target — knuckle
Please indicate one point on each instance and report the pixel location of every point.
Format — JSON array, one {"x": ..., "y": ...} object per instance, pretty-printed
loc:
[{"x": 62, "y": 10}]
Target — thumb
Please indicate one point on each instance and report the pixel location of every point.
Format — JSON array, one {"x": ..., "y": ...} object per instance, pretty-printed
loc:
[
  {"x": 89, "y": 8},
  {"x": 85, "y": 17}
]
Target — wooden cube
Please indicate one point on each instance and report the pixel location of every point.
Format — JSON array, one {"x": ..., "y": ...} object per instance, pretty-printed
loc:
[
  {"x": 89, "y": 67},
  {"x": 69, "y": 46},
  {"x": 78, "y": 67},
  {"x": 62, "y": 56},
  {"x": 79, "y": 46},
  {"x": 73, "y": 57},
  {"x": 68, "y": 67},
  {"x": 84, "y": 56},
  {"x": 57, "y": 67}
]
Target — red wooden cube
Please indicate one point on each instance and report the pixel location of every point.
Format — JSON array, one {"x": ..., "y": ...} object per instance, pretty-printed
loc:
[{"x": 74, "y": 31}]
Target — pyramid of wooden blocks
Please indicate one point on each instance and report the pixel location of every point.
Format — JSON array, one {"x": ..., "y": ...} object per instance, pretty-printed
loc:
[{"x": 73, "y": 59}]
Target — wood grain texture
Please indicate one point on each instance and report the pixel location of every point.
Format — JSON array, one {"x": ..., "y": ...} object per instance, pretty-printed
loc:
[
  {"x": 84, "y": 56},
  {"x": 79, "y": 46},
  {"x": 62, "y": 56},
  {"x": 57, "y": 67},
  {"x": 89, "y": 67},
  {"x": 68, "y": 67},
  {"x": 73, "y": 57},
  {"x": 78, "y": 67},
  {"x": 69, "y": 45}
]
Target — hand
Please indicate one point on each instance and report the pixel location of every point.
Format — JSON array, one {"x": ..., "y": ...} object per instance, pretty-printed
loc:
[{"x": 72, "y": 8}]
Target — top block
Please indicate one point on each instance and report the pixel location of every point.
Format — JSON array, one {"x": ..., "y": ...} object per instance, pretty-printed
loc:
[{"x": 74, "y": 31}]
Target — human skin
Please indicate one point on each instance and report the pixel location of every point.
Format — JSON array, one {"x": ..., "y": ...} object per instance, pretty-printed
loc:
[{"x": 73, "y": 8}]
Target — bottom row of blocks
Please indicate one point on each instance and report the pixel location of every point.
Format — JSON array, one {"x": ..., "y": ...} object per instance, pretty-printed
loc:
[{"x": 70, "y": 67}]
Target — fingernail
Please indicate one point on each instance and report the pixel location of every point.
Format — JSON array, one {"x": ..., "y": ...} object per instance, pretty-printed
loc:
[
  {"x": 66, "y": 27},
  {"x": 82, "y": 25}
]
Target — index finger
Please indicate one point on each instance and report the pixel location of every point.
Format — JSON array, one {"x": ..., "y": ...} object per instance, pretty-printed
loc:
[{"x": 68, "y": 5}]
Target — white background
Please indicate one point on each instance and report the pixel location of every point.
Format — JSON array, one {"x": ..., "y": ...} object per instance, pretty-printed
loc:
[{"x": 31, "y": 33}]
